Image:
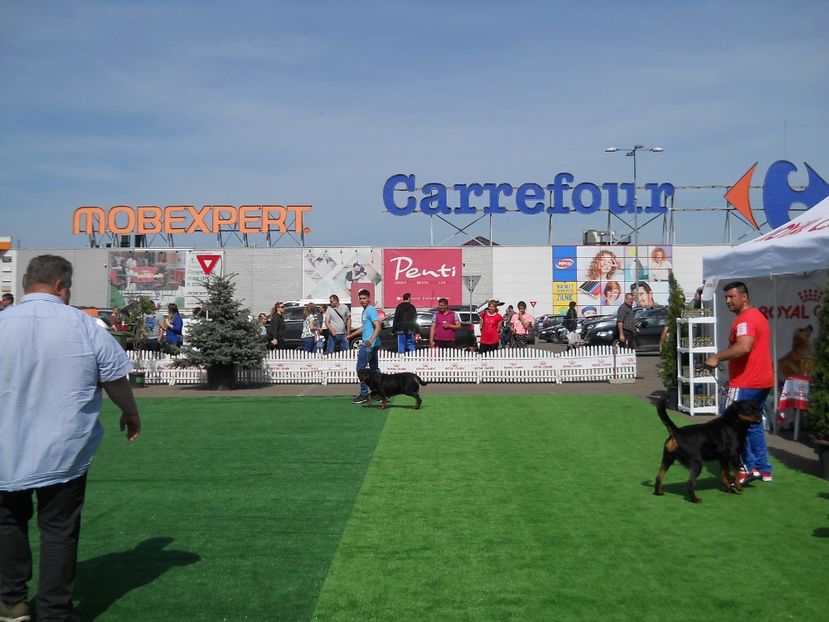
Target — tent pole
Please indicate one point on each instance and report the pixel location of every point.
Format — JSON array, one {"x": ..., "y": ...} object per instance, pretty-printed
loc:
[{"x": 773, "y": 425}]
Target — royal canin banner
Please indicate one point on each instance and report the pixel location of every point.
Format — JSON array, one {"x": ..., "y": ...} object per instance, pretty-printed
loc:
[{"x": 427, "y": 274}]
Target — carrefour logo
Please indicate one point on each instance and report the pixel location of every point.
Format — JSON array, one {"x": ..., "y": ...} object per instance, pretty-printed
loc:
[{"x": 778, "y": 195}]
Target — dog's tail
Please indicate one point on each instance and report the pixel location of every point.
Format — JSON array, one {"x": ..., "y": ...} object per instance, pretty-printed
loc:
[
  {"x": 420, "y": 380},
  {"x": 663, "y": 414}
]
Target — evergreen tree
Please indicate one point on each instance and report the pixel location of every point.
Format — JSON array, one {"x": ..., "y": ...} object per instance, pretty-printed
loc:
[
  {"x": 819, "y": 390},
  {"x": 667, "y": 351},
  {"x": 225, "y": 338}
]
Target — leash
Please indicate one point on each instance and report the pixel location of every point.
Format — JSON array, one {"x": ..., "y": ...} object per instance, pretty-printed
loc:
[{"x": 704, "y": 370}]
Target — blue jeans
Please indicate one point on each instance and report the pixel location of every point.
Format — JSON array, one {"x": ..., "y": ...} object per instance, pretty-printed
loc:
[
  {"x": 333, "y": 340},
  {"x": 405, "y": 341},
  {"x": 755, "y": 454},
  {"x": 309, "y": 343},
  {"x": 367, "y": 358}
]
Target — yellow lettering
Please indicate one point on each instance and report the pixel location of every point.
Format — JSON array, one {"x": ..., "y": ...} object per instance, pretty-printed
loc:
[
  {"x": 250, "y": 220},
  {"x": 198, "y": 223},
  {"x": 112, "y": 219},
  {"x": 149, "y": 219},
  {"x": 174, "y": 218},
  {"x": 219, "y": 219},
  {"x": 90, "y": 213},
  {"x": 278, "y": 222},
  {"x": 298, "y": 211}
]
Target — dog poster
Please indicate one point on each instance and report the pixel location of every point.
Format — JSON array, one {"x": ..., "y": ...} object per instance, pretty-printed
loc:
[{"x": 791, "y": 306}]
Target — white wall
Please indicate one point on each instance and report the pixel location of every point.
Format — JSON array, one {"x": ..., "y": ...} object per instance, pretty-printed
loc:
[{"x": 523, "y": 273}]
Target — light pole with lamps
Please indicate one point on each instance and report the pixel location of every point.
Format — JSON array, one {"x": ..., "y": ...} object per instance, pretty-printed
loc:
[{"x": 631, "y": 152}]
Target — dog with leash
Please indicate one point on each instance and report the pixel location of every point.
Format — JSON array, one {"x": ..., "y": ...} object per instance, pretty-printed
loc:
[
  {"x": 388, "y": 385},
  {"x": 720, "y": 439}
]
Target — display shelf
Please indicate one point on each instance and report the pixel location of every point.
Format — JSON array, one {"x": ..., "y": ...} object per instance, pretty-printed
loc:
[{"x": 698, "y": 391}]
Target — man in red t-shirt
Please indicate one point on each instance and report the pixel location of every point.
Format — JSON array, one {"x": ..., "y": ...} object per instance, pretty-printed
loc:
[
  {"x": 750, "y": 373},
  {"x": 491, "y": 324}
]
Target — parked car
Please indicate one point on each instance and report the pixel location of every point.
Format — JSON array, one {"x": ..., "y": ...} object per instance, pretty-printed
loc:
[
  {"x": 649, "y": 321},
  {"x": 548, "y": 330},
  {"x": 464, "y": 336},
  {"x": 465, "y": 316}
]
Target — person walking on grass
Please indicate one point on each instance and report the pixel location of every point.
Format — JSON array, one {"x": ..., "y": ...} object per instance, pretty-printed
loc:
[
  {"x": 370, "y": 329},
  {"x": 55, "y": 362},
  {"x": 750, "y": 373}
]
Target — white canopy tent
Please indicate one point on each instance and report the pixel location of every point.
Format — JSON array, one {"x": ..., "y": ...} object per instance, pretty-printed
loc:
[
  {"x": 801, "y": 245},
  {"x": 786, "y": 271}
]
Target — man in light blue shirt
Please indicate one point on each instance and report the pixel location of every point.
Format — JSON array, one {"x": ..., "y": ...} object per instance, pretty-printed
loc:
[
  {"x": 55, "y": 362},
  {"x": 367, "y": 355}
]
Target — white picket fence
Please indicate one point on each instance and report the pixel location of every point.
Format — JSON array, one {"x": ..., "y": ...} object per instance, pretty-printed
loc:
[{"x": 584, "y": 364}]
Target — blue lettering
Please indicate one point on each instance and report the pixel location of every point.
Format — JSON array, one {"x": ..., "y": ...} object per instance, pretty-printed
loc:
[
  {"x": 533, "y": 192},
  {"x": 388, "y": 194},
  {"x": 494, "y": 206},
  {"x": 464, "y": 191},
  {"x": 657, "y": 192},
  {"x": 435, "y": 201},
  {"x": 595, "y": 194},
  {"x": 558, "y": 187},
  {"x": 613, "y": 198}
]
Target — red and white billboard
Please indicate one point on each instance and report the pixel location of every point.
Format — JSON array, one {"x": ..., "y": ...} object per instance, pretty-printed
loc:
[{"x": 427, "y": 274}]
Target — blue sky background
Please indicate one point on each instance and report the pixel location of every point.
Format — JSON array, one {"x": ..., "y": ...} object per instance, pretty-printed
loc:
[{"x": 106, "y": 103}]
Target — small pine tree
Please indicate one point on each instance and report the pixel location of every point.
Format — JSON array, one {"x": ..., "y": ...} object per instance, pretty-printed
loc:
[
  {"x": 819, "y": 390},
  {"x": 225, "y": 338},
  {"x": 667, "y": 351}
]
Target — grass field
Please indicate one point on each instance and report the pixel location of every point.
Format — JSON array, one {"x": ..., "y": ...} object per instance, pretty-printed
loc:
[{"x": 495, "y": 508}]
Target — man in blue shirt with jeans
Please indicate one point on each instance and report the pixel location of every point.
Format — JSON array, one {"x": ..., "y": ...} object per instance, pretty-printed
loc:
[
  {"x": 367, "y": 356},
  {"x": 55, "y": 361}
]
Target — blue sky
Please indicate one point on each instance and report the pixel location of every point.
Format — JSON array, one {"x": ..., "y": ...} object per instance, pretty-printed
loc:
[{"x": 107, "y": 103}]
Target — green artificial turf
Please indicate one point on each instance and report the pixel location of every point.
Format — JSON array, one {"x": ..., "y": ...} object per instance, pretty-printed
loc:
[
  {"x": 473, "y": 508},
  {"x": 541, "y": 508},
  {"x": 225, "y": 509}
]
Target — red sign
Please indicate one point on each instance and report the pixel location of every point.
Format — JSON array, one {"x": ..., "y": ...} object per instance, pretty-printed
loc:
[
  {"x": 208, "y": 262},
  {"x": 533, "y": 303},
  {"x": 427, "y": 274}
]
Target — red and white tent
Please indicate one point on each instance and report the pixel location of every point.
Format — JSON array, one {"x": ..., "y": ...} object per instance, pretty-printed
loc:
[
  {"x": 801, "y": 245},
  {"x": 786, "y": 271}
]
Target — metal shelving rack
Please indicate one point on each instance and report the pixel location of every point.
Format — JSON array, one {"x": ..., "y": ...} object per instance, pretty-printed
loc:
[{"x": 698, "y": 392}]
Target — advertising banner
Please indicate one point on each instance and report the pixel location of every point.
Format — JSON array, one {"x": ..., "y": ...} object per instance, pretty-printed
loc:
[
  {"x": 598, "y": 277},
  {"x": 427, "y": 274},
  {"x": 200, "y": 265},
  {"x": 791, "y": 307},
  {"x": 327, "y": 271},
  {"x": 155, "y": 274}
]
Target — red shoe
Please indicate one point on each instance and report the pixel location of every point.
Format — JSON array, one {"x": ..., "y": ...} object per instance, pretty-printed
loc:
[
  {"x": 766, "y": 477},
  {"x": 749, "y": 476}
]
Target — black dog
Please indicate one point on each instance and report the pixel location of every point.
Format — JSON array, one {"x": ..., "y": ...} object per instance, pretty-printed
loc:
[
  {"x": 387, "y": 385},
  {"x": 720, "y": 439}
]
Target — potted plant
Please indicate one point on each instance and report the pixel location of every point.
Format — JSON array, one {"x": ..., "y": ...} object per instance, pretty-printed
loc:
[
  {"x": 819, "y": 389},
  {"x": 225, "y": 338},
  {"x": 138, "y": 375},
  {"x": 667, "y": 344},
  {"x": 135, "y": 319}
]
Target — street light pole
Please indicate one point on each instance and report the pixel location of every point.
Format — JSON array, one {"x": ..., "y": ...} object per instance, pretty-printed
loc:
[{"x": 631, "y": 152}]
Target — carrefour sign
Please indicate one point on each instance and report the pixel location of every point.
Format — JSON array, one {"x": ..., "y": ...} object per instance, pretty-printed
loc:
[{"x": 401, "y": 197}]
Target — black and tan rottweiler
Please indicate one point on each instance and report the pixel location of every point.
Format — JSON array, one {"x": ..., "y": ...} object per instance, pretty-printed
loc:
[
  {"x": 720, "y": 439},
  {"x": 388, "y": 385}
]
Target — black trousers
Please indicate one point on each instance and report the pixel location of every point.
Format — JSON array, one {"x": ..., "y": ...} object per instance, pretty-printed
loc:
[
  {"x": 630, "y": 339},
  {"x": 59, "y": 521}
]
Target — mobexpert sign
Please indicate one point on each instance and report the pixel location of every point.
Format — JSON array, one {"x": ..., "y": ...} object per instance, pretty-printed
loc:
[
  {"x": 179, "y": 219},
  {"x": 529, "y": 198}
]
